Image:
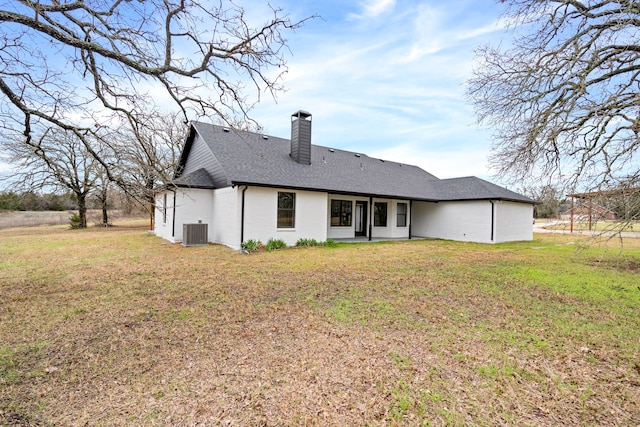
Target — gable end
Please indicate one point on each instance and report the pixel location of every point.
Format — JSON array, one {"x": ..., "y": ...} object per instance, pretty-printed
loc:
[{"x": 198, "y": 157}]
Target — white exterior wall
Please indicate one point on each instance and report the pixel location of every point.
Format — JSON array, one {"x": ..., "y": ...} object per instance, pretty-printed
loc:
[
  {"x": 514, "y": 221},
  {"x": 224, "y": 227},
  {"x": 467, "y": 221},
  {"x": 261, "y": 216},
  {"x": 192, "y": 206},
  {"x": 222, "y": 210},
  {"x": 470, "y": 221},
  {"x": 163, "y": 226},
  {"x": 391, "y": 231}
]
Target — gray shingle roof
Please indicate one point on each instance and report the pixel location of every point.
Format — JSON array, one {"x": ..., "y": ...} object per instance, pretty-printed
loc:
[
  {"x": 240, "y": 157},
  {"x": 199, "y": 178},
  {"x": 474, "y": 188}
]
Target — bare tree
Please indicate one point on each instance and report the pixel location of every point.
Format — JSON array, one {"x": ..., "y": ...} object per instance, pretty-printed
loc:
[
  {"x": 563, "y": 97},
  {"x": 548, "y": 200},
  {"x": 147, "y": 156},
  {"x": 86, "y": 67},
  {"x": 101, "y": 193},
  {"x": 57, "y": 159}
]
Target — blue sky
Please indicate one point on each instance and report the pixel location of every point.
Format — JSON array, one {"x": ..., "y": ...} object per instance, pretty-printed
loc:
[{"x": 387, "y": 78}]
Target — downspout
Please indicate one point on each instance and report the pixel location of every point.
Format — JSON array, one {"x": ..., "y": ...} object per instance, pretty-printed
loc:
[
  {"x": 242, "y": 216},
  {"x": 370, "y": 217},
  {"x": 410, "y": 213},
  {"x": 493, "y": 217},
  {"x": 173, "y": 217}
]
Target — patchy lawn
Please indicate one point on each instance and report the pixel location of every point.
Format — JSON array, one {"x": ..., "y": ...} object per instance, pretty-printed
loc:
[{"x": 117, "y": 327}]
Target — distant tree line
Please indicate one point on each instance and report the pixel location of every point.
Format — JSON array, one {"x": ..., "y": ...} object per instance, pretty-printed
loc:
[
  {"x": 32, "y": 201},
  {"x": 36, "y": 201},
  {"x": 57, "y": 171}
]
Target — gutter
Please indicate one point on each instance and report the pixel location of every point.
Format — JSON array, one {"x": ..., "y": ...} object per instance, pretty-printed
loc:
[
  {"x": 381, "y": 196},
  {"x": 333, "y": 191}
]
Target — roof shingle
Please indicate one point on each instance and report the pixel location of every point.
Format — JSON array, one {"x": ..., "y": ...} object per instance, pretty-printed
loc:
[{"x": 251, "y": 158}]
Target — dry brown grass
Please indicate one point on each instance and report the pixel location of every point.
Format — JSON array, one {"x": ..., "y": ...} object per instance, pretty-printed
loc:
[
  {"x": 117, "y": 327},
  {"x": 13, "y": 219}
]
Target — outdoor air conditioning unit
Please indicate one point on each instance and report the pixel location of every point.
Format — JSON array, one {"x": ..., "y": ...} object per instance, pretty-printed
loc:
[{"x": 195, "y": 234}]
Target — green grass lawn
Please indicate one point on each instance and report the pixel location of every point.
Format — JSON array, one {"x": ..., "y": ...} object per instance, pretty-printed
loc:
[{"x": 117, "y": 327}]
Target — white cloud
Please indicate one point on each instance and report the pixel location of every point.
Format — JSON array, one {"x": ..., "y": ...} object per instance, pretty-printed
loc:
[
  {"x": 443, "y": 164},
  {"x": 374, "y": 8},
  {"x": 429, "y": 35},
  {"x": 392, "y": 88},
  {"x": 437, "y": 28}
]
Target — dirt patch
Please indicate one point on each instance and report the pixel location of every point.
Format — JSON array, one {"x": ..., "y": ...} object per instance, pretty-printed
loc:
[{"x": 618, "y": 263}]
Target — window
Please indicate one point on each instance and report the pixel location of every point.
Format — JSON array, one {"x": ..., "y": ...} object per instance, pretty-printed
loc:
[
  {"x": 286, "y": 210},
  {"x": 401, "y": 218},
  {"x": 341, "y": 213},
  {"x": 164, "y": 208},
  {"x": 380, "y": 214}
]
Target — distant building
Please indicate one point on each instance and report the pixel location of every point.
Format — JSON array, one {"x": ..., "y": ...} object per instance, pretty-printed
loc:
[{"x": 589, "y": 210}]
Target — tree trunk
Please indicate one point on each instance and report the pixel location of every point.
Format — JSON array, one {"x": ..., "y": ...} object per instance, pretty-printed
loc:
[
  {"x": 103, "y": 196},
  {"x": 105, "y": 214},
  {"x": 152, "y": 215},
  {"x": 150, "y": 196},
  {"x": 82, "y": 211}
]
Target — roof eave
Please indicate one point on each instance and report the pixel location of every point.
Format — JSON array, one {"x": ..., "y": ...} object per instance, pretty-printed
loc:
[
  {"x": 333, "y": 191},
  {"x": 501, "y": 199},
  {"x": 200, "y": 187}
]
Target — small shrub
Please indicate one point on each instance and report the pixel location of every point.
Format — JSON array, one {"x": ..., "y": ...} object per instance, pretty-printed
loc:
[
  {"x": 273, "y": 244},
  {"x": 250, "y": 245},
  {"x": 329, "y": 243},
  {"x": 75, "y": 221},
  {"x": 307, "y": 242},
  {"x": 313, "y": 242}
]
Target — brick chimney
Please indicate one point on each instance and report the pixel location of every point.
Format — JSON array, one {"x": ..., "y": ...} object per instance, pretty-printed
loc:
[{"x": 301, "y": 137}]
